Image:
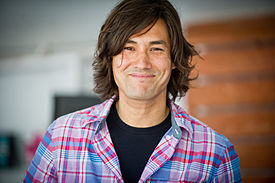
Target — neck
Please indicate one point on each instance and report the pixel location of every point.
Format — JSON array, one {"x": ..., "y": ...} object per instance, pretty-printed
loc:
[{"x": 142, "y": 113}]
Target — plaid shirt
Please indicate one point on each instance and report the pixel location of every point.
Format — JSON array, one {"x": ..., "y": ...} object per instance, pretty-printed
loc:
[{"x": 78, "y": 148}]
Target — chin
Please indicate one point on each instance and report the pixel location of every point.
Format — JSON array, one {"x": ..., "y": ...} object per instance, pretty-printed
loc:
[{"x": 141, "y": 96}]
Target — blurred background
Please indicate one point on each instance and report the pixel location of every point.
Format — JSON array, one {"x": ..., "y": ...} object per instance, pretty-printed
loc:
[{"x": 46, "y": 52}]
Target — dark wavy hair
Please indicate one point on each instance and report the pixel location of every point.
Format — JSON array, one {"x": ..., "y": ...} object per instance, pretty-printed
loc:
[{"x": 130, "y": 17}]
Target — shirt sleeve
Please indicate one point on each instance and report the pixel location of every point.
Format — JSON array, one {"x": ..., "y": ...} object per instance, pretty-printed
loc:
[
  {"x": 229, "y": 169},
  {"x": 42, "y": 168}
]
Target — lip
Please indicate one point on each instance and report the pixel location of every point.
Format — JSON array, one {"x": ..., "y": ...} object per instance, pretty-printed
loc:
[{"x": 143, "y": 76}]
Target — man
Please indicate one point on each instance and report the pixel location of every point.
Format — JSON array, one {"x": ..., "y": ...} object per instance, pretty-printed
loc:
[{"x": 138, "y": 134}]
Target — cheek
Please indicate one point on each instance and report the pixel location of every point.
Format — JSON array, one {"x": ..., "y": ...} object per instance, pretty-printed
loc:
[
  {"x": 163, "y": 63},
  {"x": 120, "y": 62},
  {"x": 116, "y": 61}
]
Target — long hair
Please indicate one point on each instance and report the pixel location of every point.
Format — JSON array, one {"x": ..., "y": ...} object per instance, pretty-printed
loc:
[{"x": 130, "y": 17}]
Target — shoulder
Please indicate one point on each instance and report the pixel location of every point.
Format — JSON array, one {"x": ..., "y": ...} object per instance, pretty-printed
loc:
[
  {"x": 204, "y": 133},
  {"x": 205, "y": 143},
  {"x": 77, "y": 121},
  {"x": 200, "y": 133}
]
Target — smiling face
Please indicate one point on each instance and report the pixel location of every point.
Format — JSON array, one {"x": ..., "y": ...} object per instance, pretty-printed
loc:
[{"x": 142, "y": 70}]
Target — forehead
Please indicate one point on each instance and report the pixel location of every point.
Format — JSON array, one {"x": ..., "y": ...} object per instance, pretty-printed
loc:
[{"x": 158, "y": 31}]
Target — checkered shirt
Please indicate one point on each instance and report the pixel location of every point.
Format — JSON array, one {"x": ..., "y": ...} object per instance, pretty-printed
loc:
[{"x": 78, "y": 148}]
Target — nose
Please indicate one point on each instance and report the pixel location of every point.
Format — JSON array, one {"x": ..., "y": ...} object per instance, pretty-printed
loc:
[{"x": 143, "y": 60}]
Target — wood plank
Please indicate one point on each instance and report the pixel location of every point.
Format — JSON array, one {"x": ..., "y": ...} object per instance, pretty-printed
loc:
[
  {"x": 256, "y": 155},
  {"x": 232, "y": 93},
  {"x": 258, "y": 179},
  {"x": 239, "y": 124},
  {"x": 260, "y": 28},
  {"x": 237, "y": 61}
]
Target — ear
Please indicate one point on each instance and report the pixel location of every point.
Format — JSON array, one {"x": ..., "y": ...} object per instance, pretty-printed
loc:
[{"x": 173, "y": 66}]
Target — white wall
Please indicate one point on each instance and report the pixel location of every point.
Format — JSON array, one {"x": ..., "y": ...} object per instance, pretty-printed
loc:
[{"x": 27, "y": 87}]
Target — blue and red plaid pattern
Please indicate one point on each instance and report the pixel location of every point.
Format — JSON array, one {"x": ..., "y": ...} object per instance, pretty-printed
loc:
[{"x": 78, "y": 148}]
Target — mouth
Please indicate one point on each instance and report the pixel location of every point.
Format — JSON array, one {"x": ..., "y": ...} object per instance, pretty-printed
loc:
[{"x": 142, "y": 76}]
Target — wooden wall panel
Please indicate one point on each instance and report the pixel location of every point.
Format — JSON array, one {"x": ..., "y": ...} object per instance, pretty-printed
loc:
[
  {"x": 242, "y": 124},
  {"x": 235, "y": 91},
  {"x": 253, "y": 158},
  {"x": 259, "y": 179},
  {"x": 241, "y": 30},
  {"x": 255, "y": 60}
]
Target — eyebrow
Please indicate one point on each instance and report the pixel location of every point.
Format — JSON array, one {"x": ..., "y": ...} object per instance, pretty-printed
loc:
[{"x": 157, "y": 42}]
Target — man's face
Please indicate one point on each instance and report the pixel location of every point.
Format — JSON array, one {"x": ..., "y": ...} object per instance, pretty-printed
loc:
[{"x": 142, "y": 70}]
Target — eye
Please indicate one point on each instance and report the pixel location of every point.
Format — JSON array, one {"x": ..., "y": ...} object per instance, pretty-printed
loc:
[
  {"x": 156, "y": 49},
  {"x": 129, "y": 48}
]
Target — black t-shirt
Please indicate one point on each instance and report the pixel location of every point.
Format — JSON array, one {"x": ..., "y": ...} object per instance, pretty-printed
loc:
[{"x": 134, "y": 146}]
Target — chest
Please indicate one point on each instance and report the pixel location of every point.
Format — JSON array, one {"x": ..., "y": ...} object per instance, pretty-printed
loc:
[{"x": 86, "y": 164}]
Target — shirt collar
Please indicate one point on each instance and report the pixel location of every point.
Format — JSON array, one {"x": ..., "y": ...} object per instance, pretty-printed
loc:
[
  {"x": 179, "y": 118},
  {"x": 99, "y": 112}
]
